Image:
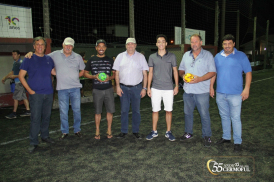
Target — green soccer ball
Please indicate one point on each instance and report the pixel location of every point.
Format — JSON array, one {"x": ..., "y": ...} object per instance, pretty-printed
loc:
[{"x": 102, "y": 76}]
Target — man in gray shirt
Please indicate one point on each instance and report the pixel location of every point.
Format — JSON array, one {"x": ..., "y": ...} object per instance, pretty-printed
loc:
[
  {"x": 161, "y": 64},
  {"x": 67, "y": 64}
]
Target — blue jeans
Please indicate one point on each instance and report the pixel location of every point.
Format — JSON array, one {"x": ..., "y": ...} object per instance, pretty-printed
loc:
[
  {"x": 201, "y": 101},
  {"x": 74, "y": 96},
  {"x": 40, "y": 108},
  {"x": 230, "y": 110},
  {"x": 131, "y": 95}
]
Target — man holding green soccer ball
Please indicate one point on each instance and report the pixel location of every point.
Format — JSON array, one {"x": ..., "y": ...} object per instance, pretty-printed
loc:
[
  {"x": 100, "y": 67},
  {"x": 102, "y": 76}
]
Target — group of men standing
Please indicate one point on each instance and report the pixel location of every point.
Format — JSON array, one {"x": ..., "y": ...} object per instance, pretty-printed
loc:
[
  {"x": 65, "y": 64},
  {"x": 228, "y": 67},
  {"x": 132, "y": 83}
]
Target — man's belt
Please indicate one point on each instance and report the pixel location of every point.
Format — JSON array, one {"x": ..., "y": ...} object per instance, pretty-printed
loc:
[{"x": 130, "y": 85}]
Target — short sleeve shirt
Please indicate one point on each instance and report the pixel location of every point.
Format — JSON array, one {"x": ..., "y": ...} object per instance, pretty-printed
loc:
[
  {"x": 229, "y": 71},
  {"x": 162, "y": 70},
  {"x": 130, "y": 67},
  {"x": 39, "y": 71},
  {"x": 100, "y": 65},
  {"x": 67, "y": 69},
  {"x": 200, "y": 66}
]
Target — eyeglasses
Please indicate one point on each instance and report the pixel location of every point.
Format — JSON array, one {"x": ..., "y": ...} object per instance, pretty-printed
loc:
[{"x": 193, "y": 61}]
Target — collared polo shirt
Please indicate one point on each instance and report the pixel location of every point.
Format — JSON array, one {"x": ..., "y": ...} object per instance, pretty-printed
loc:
[
  {"x": 130, "y": 67},
  {"x": 200, "y": 66},
  {"x": 223, "y": 53},
  {"x": 67, "y": 69},
  {"x": 39, "y": 73},
  {"x": 162, "y": 70},
  {"x": 229, "y": 71}
]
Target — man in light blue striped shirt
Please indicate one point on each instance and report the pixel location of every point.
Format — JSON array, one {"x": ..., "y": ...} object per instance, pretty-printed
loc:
[{"x": 200, "y": 63}]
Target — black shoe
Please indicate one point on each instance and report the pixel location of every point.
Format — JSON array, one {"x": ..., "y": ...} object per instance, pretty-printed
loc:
[
  {"x": 27, "y": 113},
  {"x": 237, "y": 147},
  {"x": 207, "y": 141},
  {"x": 78, "y": 134},
  {"x": 63, "y": 136},
  {"x": 48, "y": 140},
  {"x": 121, "y": 135},
  {"x": 11, "y": 116},
  {"x": 222, "y": 141},
  {"x": 137, "y": 135},
  {"x": 32, "y": 148},
  {"x": 186, "y": 136}
]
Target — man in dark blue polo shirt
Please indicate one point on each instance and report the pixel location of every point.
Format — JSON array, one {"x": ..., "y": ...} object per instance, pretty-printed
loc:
[{"x": 39, "y": 68}]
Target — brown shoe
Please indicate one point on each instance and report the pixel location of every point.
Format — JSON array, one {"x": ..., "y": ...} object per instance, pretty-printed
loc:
[
  {"x": 63, "y": 136},
  {"x": 78, "y": 134}
]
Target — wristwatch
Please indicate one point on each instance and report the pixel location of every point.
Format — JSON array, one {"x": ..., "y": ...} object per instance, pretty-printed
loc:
[{"x": 144, "y": 88}]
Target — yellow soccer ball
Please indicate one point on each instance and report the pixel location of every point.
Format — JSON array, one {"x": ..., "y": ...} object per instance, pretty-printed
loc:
[{"x": 188, "y": 77}]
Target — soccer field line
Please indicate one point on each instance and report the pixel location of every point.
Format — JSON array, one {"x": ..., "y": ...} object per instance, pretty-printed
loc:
[
  {"x": 263, "y": 79},
  {"x": 103, "y": 119},
  {"x": 82, "y": 124}
]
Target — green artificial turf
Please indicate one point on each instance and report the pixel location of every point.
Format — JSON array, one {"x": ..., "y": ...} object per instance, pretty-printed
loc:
[{"x": 130, "y": 159}]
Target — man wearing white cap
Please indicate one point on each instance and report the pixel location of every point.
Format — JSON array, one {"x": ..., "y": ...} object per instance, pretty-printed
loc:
[
  {"x": 131, "y": 81},
  {"x": 67, "y": 65}
]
